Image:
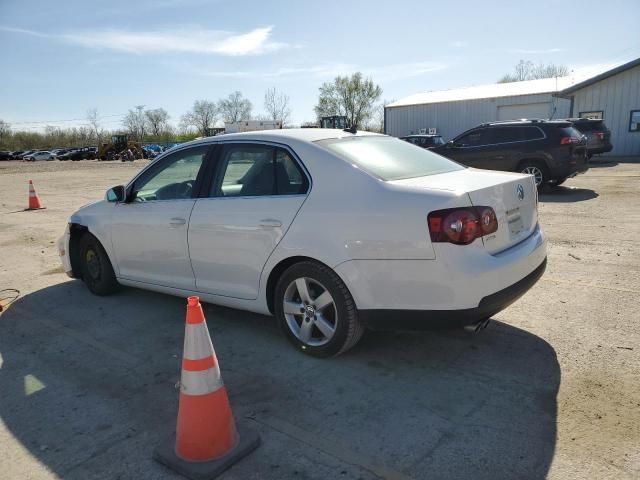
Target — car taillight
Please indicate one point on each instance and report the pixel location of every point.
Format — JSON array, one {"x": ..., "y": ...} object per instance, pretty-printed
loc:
[
  {"x": 461, "y": 226},
  {"x": 599, "y": 135},
  {"x": 569, "y": 140}
]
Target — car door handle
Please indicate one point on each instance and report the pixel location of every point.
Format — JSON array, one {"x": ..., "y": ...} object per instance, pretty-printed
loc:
[
  {"x": 177, "y": 222},
  {"x": 270, "y": 222}
]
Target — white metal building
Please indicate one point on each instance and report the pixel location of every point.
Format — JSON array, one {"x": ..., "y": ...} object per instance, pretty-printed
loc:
[
  {"x": 616, "y": 93},
  {"x": 451, "y": 112},
  {"x": 613, "y": 96}
]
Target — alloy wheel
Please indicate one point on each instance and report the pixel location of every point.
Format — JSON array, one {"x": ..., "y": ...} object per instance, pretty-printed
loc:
[
  {"x": 310, "y": 311},
  {"x": 536, "y": 172}
]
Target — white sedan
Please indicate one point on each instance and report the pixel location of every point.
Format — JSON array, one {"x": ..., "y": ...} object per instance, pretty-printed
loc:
[
  {"x": 328, "y": 230},
  {"x": 43, "y": 155}
]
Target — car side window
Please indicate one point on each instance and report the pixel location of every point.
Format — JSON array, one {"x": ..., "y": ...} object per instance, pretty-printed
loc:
[
  {"x": 472, "y": 139},
  {"x": 258, "y": 170},
  {"x": 173, "y": 179},
  {"x": 290, "y": 180}
]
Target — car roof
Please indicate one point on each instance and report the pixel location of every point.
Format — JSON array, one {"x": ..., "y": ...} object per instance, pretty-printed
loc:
[
  {"x": 301, "y": 134},
  {"x": 420, "y": 135},
  {"x": 525, "y": 121}
]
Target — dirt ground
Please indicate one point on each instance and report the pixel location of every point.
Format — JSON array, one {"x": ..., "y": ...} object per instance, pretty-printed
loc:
[{"x": 549, "y": 390}]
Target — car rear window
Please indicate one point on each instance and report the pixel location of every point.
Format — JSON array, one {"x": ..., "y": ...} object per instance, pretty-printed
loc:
[
  {"x": 389, "y": 158},
  {"x": 589, "y": 126}
]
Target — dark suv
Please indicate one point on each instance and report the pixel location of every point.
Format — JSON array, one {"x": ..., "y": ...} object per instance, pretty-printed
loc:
[
  {"x": 424, "y": 141},
  {"x": 550, "y": 150},
  {"x": 597, "y": 133}
]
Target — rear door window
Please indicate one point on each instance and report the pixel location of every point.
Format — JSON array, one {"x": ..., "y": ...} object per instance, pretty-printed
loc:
[{"x": 252, "y": 170}]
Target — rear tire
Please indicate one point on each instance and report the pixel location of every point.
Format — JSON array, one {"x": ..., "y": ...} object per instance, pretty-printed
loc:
[
  {"x": 95, "y": 266},
  {"x": 322, "y": 321},
  {"x": 538, "y": 169}
]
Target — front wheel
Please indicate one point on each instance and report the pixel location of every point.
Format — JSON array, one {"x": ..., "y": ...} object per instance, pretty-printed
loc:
[
  {"x": 316, "y": 311},
  {"x": 538, "y": 170},
  {"x": 96, "y": 268}
]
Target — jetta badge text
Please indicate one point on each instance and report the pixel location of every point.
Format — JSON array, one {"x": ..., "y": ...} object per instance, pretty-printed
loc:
[{"x": 520, "y": 192}]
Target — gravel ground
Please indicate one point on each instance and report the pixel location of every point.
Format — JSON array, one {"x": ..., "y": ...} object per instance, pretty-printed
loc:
[{"x": 549, "y": 390}]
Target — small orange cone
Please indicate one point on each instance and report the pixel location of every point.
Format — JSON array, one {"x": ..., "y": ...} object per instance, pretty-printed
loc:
[
  {"x": 206, "y": 441},
  {"x": 34, "y": 201}
]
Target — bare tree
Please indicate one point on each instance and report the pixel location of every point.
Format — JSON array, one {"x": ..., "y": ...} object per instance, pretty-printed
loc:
[
  {"x": 277, "y": 105},
  {"x": 530, "y": 71},
  {"x": 235, "y": 108},
  {"x": 202, "y": 116},
  {"x": 157, "y": 121},
  {"x": 94, "y": 123},
  {"x": 351, "y": 96},
  {"x": 135, "y": 122}
]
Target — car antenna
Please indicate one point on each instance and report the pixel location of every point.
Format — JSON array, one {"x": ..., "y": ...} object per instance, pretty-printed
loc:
[{"x": 350, "y": 130}]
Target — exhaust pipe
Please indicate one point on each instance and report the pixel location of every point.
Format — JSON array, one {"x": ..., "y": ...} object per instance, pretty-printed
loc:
[{"x": 478, "y": 326}]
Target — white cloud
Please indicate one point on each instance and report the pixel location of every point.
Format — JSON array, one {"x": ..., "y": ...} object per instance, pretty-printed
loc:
[
  {"x": 459, "y": 44},
  {"x": 378, "y": 73},
  {"x": 177, "y": 40},
  {"x": 535, "y": 51}
]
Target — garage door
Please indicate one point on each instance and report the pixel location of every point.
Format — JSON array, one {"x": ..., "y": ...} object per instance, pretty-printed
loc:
[{"x": 529, "y": 110}]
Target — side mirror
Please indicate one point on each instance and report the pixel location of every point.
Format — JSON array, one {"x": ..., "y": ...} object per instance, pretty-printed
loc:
[
  {"x": 115, "y": 194},
  {"x": 450, "y": 144}
]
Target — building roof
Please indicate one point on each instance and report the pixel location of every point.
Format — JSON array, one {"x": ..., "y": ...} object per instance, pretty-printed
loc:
[
  {"x": 602, "y": 76},
  {"x": 559, "y": 85},
  {"x": 494, "y": 90}
]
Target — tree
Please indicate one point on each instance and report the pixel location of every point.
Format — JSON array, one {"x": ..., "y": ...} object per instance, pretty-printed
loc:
[
  {"x": 135, "y": 122},
  {"x": 157, "y": 121},
  {"x": 93, "y": 119},
  {"x": 530, "y": 71},
  {"x": 235, "y": 108},
  {"x": 277, "y": 105},
  {"x": 202, "y": 116},
  {"x": 352, "y": 96},
  {"x": 5, "y": 132}
]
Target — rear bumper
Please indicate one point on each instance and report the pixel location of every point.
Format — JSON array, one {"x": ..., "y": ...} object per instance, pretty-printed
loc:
[
  {"x": 440, "y": 319},
  {"x": 600, "y": 149},
  {"x": 458, "y": 279}
]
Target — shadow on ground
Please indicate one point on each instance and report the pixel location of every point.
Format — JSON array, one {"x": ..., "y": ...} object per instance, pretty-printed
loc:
[
  {"x": 87, "y": 386},
  {"x": 564, "y": 194}
]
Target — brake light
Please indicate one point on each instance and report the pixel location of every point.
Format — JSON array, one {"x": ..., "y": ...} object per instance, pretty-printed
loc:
[
  {"x": 600, "y": 135},
  {"x": 461, "y": 226},
  {"x": 569, "y": 140}
]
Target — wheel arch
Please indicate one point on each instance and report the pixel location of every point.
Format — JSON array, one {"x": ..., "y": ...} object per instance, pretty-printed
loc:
[
  {"x": 541, "y": 159},
  {"x": 76, "y": 231},
  {"x": 277, "y": 271}
]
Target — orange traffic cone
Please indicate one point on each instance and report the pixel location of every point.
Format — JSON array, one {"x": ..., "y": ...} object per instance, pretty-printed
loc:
[
  {"x": 206, "y": 441},
  {"x": 34, "y": 201}
]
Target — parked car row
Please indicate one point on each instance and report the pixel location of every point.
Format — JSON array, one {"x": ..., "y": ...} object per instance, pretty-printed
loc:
[
  {"x": 550, "y": 150},
  {"x": 83, "y": 153}
]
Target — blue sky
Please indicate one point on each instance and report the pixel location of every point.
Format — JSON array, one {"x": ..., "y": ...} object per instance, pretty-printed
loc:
[{"x": 61, "y": 58}]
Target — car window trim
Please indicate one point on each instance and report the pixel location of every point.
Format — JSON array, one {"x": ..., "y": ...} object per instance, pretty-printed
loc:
[
  {"x": 216, "y": 177},
  {"x": 159, "y": 164}
]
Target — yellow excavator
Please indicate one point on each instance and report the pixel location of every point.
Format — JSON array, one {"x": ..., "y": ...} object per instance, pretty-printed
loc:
[{"x": 121, "y": 148}]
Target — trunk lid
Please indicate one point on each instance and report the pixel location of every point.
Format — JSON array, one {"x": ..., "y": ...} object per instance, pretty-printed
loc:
[{"x": 513, "y": 196}]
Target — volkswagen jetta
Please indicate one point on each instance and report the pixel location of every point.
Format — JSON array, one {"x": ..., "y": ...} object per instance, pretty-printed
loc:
[{"x": 330, "y": 231}]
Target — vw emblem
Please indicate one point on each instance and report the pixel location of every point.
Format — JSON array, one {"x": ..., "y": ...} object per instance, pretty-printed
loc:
[{"x": 520, "y": 192}]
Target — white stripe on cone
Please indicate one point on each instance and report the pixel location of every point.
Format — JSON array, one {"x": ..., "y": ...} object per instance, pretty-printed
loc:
[
  {"x": 201, "y": 383},
  {"x": 197, "y": 343}
]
